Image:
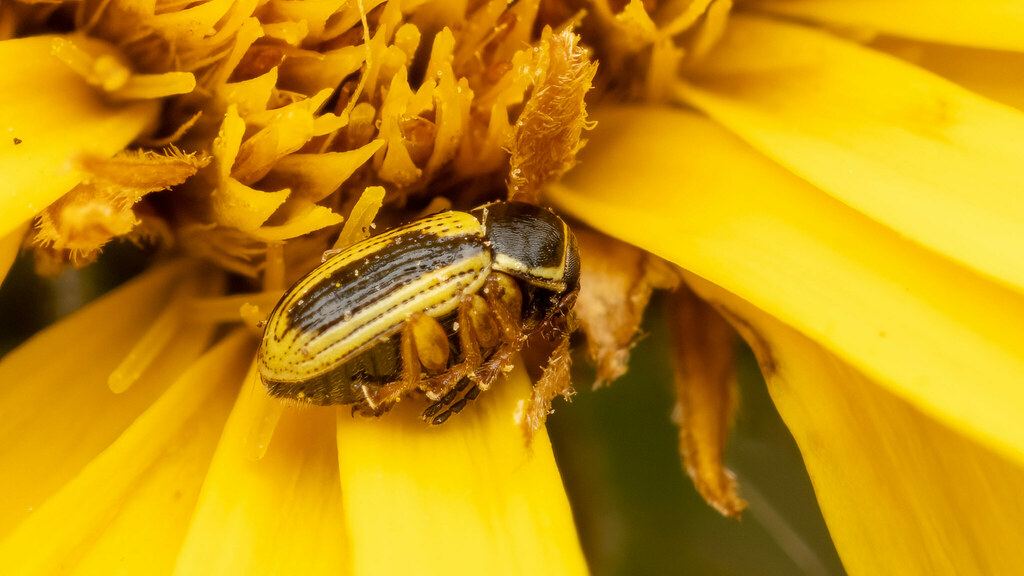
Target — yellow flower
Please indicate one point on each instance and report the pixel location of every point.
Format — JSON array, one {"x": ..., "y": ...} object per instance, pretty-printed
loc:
[{"x": 803, "y": 166}]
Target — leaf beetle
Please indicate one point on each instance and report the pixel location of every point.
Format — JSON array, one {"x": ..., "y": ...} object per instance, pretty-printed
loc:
[{"x": 442, "y": 305}]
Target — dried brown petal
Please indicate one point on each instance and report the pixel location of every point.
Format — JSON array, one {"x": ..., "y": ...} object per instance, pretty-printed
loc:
[
  {"x": 706, "y": 397},
  {"x": 617, "y": 280},
  {"x": 555, "y": 381},
  {"x": 547, "y": 134},
  {"x": 74, "y": 228}
]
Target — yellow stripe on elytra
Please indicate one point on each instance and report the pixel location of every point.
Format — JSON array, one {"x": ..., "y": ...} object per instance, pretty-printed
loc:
[
  {"x": 435, "y": 294},
  {"x": 444, "y": 225}
]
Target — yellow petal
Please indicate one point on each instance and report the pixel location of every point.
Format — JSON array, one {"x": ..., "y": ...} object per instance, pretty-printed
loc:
[
  {"x": 982, "y": 23},
  {"x": 239, "y": 206},
  {"x": 466, "y": 497},
  {"x": 277, "y": 515},
  {"x": 55, "y": 390},
  {"x": 452, "y": 100},
  {"x": 316, "y": 176},
  {"x": 141, "y": 86},
  {"x": 248, "y": 96},
  {"x": 52, "y": 117},
  {"x": 239, "y": 32},
  {"x": 916, "y": 152},
  {"x": 636, "y": 25},
  {"x": 228, "y": 141},
  {"x": 190, "y": 24},
  {"x": 991, "y": 73},
  {"x": 9, "y": 247},
  {"x": 309, "y": 73},
  {"x": 258, "y": 154},
  {"x": 306, "y": 217},
  {"x": 292, "y": 33},
  {"x": 304, "y": 109},
  {"x": 314, "y": 13},
  {"x": 360, "y": 218},
  {"x": 681, "y": 187},
  {"x": 395, "y": 165},
  {"x": 901, "y": 493},
  {"x": 130, "y": 506}
]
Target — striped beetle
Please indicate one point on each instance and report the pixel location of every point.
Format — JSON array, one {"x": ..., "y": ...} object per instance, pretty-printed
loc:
[{"x": 442, "y": 305}]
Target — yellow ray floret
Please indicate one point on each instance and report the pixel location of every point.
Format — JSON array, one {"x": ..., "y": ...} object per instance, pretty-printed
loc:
[
  {"x": 900, "y": 492},
  {"x": 980, "y": 23},
  {"x": 51, "y": 117},
  {"x": 63, "y": 402},
  {"x": 922, "y": 326},
  {"x": 279, "y": 514},
  {"x": 468, "y": 496},
  {"x": 152, "y": 470},
  {"x": 914, "y": 151}
]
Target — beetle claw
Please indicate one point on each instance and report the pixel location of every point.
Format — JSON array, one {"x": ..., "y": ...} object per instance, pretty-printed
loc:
[{"x": 439, "y": 412}]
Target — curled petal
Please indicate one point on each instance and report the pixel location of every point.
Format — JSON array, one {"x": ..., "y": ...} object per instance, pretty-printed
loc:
[{"x": 706, "y": 397}]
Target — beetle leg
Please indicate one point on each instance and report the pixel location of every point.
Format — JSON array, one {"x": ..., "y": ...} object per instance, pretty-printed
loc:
[
  {"x": 431, "y": 414},
  {"x": 512, "y": 338},
  {"x": 418, "y": 348},
  {"x": 441, "y": 384},
  {"x": 499, "y": 363},
  {"x": 436, "y": 408}
]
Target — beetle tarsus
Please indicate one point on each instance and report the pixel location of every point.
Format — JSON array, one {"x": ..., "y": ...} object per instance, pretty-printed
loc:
[{"x": 434, "y": 415}]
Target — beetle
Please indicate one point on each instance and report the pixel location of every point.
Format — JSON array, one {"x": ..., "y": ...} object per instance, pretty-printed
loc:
[{"x": 441, "y": 305}]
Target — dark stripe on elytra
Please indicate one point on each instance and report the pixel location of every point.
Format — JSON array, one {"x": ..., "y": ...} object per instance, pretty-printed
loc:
[{"x": 406, "y": 259}]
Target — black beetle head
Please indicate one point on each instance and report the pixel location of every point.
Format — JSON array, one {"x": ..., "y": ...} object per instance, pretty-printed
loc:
[{"x": 531, "y": 243}]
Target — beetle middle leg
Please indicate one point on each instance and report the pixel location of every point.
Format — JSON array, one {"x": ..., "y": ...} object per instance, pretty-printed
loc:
[
  {"x": 472, "y": 335},
  {"x": 423, "y": 346}
]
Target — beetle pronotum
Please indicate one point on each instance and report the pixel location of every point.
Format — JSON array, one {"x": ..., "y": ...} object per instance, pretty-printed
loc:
[{"x": 442, "y": 305}]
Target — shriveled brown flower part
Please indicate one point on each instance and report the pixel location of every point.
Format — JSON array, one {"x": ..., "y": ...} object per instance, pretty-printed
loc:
[
  {"x": 548, "y": 132},
  {"x": 706, "y": 397},
  {"x": 105, "y": 206},
  {"x": 555, "y": 382},
  {"x": 616, "y": 284}
]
